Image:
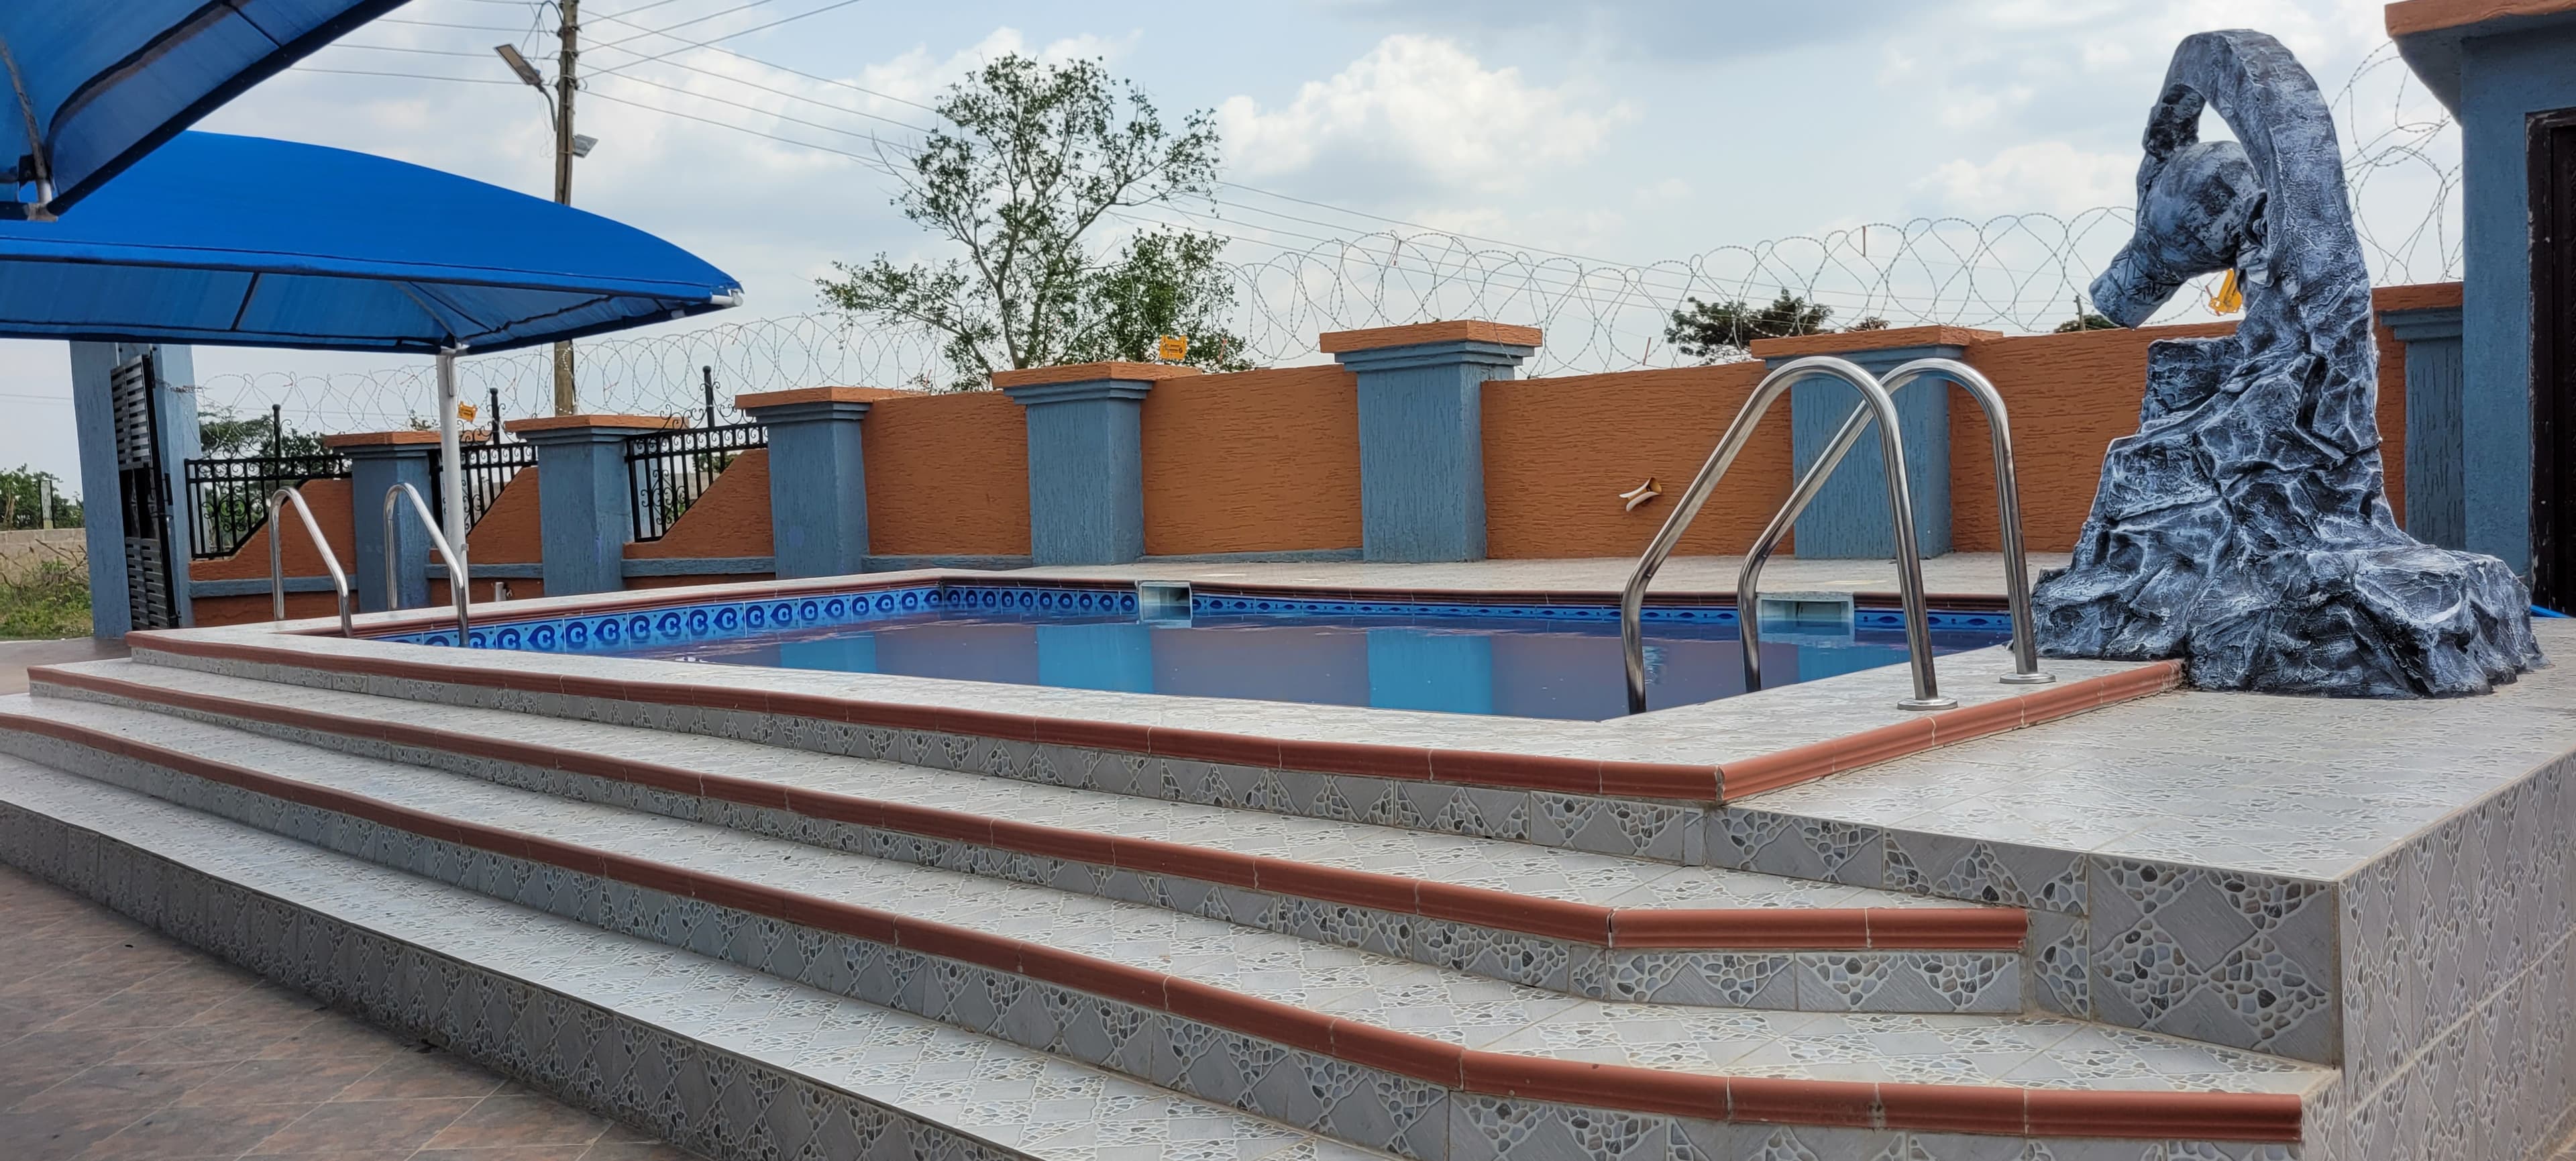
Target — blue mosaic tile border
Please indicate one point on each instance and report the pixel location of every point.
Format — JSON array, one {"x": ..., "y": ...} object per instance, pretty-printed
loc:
[
  {"x": 651, "y": 628},
  {"x": 655, "y": 628},
  {"x": 1205, "y": 605}
]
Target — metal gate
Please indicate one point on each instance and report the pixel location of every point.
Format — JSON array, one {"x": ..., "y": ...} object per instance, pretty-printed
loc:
[{"x": 143, "y": 495}]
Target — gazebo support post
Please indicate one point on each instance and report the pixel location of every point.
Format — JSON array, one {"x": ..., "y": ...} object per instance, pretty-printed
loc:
[{"x": 451, "y": 460}]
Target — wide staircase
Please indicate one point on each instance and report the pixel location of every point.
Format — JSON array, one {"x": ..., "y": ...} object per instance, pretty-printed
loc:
[{"x": 768, "y": 942}]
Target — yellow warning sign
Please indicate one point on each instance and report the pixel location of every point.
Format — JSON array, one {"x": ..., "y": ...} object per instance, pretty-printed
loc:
[
  {"x": 465, "y": 411},
  {"x": 1173, "y": 348},
  {"x": 2230, "y": 297}
]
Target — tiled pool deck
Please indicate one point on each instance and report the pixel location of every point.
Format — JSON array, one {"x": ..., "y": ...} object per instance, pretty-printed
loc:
[{"x": 2366, "y": 904}]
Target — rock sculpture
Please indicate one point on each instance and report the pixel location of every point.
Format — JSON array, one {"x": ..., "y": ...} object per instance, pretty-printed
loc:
[{"x": 2245, "y": 527}]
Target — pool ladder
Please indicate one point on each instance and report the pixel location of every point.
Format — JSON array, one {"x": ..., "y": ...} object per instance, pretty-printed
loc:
[
  {"x": 458, "y": 587},
  {"x": 1878, "y": 407},
  {"x": 456, "y": 584}
]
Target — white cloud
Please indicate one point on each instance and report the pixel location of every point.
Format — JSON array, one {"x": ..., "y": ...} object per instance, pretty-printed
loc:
[
  {"x": 1425, "y": 108},
  {"x": 2043, "y": 176}
]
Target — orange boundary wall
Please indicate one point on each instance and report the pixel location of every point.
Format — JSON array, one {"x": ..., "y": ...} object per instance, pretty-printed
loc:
[
  {"x": 1558, "y": 452},
  {"x": 1261, "y": 461},
  {"x": 329, "y": 500},
  {"x": 1268, "y": 461},
  {"x": 947, "y": 475}
]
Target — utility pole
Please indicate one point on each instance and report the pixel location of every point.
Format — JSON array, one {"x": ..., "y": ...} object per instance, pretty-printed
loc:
[{"x": 569, "y": 33}]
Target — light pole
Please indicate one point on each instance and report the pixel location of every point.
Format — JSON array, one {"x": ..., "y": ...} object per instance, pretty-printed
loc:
[{"x": 568, "y": 145}]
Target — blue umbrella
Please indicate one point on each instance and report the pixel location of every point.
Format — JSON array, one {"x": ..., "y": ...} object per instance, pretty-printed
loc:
[
  {"x": 94, "y": 86},
  {"x": 246, "y": 241},
  {"x": 251, "y": 242}
]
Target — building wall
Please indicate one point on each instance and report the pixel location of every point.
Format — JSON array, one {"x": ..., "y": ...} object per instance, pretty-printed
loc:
[
  {"x": 1263, "y": 461},
  {"x": 2503, "y": 80}
]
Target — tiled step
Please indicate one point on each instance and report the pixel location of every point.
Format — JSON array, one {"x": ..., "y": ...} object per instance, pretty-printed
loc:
[
  {"x": 1247, "y": 1017},
  {"x": 715, "y": 1056},
  {"x": 1596, "y": 925},
  {"x": 1500, "y": 777}
]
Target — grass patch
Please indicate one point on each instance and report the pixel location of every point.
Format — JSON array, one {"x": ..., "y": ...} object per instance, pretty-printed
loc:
[{"x": 52, "y": 601}]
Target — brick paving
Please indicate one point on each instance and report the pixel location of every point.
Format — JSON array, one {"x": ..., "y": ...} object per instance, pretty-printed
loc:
[{"x": 117, "y": 1044}]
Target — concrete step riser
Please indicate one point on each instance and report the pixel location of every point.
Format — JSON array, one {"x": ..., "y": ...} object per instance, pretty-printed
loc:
[
  {"x": 702, "y": 1097},
  {"x": 1353, "y": 1083},
  {"x": 1785, "y": 979},
  {"x": 2067, "y": 971},
  {"x": 1665, "y": 830}
]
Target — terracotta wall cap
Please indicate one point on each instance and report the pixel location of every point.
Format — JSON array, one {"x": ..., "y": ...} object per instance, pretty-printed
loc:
[
  {"x": 2413, "y": 16},
  {"x": 1455, "y": 330},
  {"x": 1844, "y": 342},
  {"x": 404, "y": 438},
  {"x": 2419, "y": 295},
  {"x": 818, "y": 395},
  {"x": 565, "y": 422},
  {"x": 1119, "y": 370}
]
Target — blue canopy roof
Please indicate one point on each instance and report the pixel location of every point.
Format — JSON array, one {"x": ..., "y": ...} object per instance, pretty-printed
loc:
[
  {"x": 245, "y": 241},
  {"x": 95, "y": 86}
]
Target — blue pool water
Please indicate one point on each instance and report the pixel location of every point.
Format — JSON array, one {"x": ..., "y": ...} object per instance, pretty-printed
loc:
[{"x": 1559, "y": 665}]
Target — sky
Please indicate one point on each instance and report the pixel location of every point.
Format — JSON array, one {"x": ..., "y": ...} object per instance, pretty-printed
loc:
[{"x": 1602, "y": 159}]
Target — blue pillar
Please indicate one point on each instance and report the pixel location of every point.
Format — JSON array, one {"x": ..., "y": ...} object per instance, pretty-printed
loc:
[
  {"x": 2436, "y": 504},
  {"x": 1849, "y": 519},
  {"x": 1422, "y": 432},
  {"x": 2499, "y": 72},
  {"x": 818, "y": 480},
  {"x": 1086, "y": 458},
  {"x": 94, "y": 427},
  {"x": 586, "y": 508},
  {"x": 377, "y": 462}
]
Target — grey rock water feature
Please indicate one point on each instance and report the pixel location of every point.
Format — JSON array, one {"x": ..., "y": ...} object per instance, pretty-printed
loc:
[{"x": 2245, "y": 528}]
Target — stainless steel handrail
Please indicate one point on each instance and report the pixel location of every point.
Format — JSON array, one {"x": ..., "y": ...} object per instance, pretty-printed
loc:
[
  {"x": 1909, "y": 564},
  {"x": 277, "y": 558},
  {"x": 456, "y": 583},
  {"x": 1748, "y": 582}
]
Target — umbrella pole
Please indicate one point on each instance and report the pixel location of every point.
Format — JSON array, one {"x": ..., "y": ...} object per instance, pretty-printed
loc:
[{"x": 451, "y": 466}]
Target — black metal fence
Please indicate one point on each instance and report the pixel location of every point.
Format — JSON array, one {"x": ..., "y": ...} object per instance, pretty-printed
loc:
[
  {"x": 488, "y": 468},
  {"x": 228, "y": 498},
  {"x": 668, "y": 470}
]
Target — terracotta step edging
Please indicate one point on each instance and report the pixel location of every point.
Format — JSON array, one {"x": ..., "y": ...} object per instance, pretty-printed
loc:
[
  {"x": 1691, "y": 782},
  {"x": 1997, "y": 1110},
  {"x": 1716, "y": 929}
]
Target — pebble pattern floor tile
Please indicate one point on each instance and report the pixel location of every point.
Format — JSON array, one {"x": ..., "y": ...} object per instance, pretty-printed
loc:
[
  {"x": 1548, "y": 873},
  {"x": 1451, "y": 1006},
  {"x": 116, "y": 1042}
]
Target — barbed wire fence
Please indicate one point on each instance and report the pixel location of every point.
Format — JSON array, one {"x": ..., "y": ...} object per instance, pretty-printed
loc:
[{"x": 2018, "y": 273}]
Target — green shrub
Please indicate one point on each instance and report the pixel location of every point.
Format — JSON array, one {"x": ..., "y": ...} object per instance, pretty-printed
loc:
[{"x": 53, "y": 601}]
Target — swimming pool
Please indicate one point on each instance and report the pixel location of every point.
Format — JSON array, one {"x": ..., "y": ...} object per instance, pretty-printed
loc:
[{"x": 1542, "y": 659}]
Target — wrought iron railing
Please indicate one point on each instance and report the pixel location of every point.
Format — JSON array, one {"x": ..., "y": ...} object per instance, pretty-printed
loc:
[
  {"x": 667, "y": 471},
  {"x": 228, "y": 498},
  {"x": 488, "y": 468}
]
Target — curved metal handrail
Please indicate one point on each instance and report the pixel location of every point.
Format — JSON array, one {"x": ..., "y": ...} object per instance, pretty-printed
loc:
[
  {"x": 277, "y": 558},
  {"x": 1909, "y": 565},
  {"x": 1748, "y": 581},
  {"x": 456, "y": 583}
]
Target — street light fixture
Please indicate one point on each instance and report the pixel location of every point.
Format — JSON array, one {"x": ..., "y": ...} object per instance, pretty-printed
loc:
[{"x": 519, "y": 64}]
